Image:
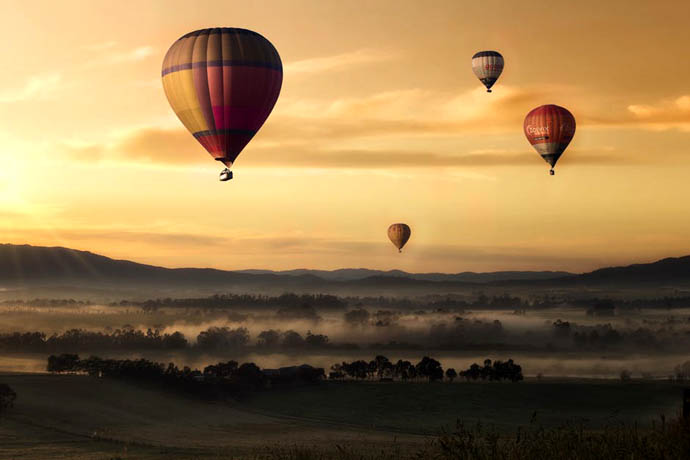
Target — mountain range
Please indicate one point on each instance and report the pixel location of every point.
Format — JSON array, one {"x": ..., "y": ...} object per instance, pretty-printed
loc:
[{"x": 26, "y": 266}]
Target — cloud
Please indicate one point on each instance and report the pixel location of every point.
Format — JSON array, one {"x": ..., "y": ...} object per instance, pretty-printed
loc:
[
  {"x": 101, "y": 45},
  {"x": 667, "y": 113},
  {"x": 146, "y": 145},
  {"x": 36, "y": 87},
  {"x": 375, "y": 131},
  {"x": 148, "y": 237},
  {"x": 337, "y": 62},
  {"x": 177, "y": 147},
  {"x": 118, "y": 57}
]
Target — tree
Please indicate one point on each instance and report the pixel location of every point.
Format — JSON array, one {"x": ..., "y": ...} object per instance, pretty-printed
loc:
[
  {"x": 63, "y": 363},
  {"x": 451, "y": 374},
  {"x": 269, "y": 338},
  {"x": 682, "y": 371},
  {"x": 7, "y": 397},
  {"x": 292, "y": 339},
  {"x": 359, "y": 316},
  {"x": 223, "y": 338},
  {"x": 316, "y": 340},
  {"x": 250, "y": 374},
  {"x": 430, "y": 368}
]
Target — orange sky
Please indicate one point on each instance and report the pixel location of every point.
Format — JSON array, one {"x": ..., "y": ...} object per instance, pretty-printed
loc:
[{"x": 380, "y": 120}]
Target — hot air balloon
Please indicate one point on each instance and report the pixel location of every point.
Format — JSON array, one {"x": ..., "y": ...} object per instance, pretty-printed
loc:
[
  {"x": 487, "y": 66},
  {"x": 549, "y": 128},
  {"x": 222, "y": 84},
  {"x": 399, "y": 234}
]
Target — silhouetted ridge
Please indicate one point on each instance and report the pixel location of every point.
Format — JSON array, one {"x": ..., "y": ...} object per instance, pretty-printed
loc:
[
  {"x": 671, "y": 269},
  {"x": 25, "y": 264}
]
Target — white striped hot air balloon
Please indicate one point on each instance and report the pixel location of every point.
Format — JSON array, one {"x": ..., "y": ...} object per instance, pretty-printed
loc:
[{"x": 487, "y": 66}]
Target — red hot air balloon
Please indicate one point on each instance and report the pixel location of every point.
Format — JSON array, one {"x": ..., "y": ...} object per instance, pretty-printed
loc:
[
  {"x": 222, "y": 84},
  {"x": 549, "y": 128}
]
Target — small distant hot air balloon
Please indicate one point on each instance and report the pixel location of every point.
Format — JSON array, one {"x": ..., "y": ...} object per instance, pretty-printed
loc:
[
  {"x": 222, "y": 84},
  {"x": 549, "y": 128},
  {"x": 399, "y": 234},
  {"x": 487, "y": 66}
]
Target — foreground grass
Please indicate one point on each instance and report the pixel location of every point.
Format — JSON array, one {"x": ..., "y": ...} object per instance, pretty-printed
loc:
[
  {"x": 423, "y": 408},
  {"x": 79, "y": 417},
  {"x": 663, "y": 441}
]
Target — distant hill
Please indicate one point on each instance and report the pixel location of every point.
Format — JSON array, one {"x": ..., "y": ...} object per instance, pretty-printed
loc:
[
  {"x": 26, "y": 266},
  {"x": 33, "y": 263},
  {"x": 353, "y": 274},
  {"x": 665, "y": 271}
]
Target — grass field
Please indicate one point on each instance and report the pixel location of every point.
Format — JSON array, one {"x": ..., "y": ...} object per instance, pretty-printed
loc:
[
  {"x": 425, "y": 408},
  {"x": 82, "y": 417}
]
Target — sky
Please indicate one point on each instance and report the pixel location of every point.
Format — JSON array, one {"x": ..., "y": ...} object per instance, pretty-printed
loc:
[{"x": 380, "y": 120}]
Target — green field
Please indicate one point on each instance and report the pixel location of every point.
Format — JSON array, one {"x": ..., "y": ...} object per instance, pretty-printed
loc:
[
  {"x": 425, "y": 408},
  {"x": 83, "y": 417}
]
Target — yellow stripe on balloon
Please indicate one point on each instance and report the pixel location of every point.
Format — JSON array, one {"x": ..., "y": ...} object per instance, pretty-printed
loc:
[{"x": 184, "y": 100}]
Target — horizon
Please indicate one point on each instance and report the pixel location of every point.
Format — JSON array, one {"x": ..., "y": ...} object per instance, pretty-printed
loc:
[{"x": 626, "y": 264}]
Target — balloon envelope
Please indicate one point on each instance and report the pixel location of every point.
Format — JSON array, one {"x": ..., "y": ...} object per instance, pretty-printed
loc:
[
  {"x": 487, "y": 66},
  {"x": 549, "y": 128},
  {"x": 399, "y": 234},
  {"x": 222, "y": 84}
]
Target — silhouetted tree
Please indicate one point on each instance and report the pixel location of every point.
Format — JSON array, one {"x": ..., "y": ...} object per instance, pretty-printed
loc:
[
  {"x": 316, "y": 340},
  {"x": 358, "y": 316},
  {"x": 250, "y": 374},
  {"x": 63, "y": 363},
  {"x": 7, "y": 397},
  {"x": 223, "y": 338},
  {"x": 292, "y": 339},
  {"x": 269, "y": 338},
  {"x": 430, "y": 368}
]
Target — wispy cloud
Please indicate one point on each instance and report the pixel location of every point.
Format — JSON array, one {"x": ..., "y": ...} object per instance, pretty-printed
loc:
[
  {"x": 100, "y": 46},
  {"x": 177, "y": 147},
  {"x": 668, "y": 113},
  {"x": 116, "y": 57},
  {"x": 373, "y": 132},
  {"x": 36, "y": 87},
  {"x": 146, "y": 145},
  {"x": 337, "y": 62}
]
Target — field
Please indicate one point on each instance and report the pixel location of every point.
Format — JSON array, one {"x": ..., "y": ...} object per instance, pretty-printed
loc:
[
  {"x": 422, "y": 408},
  {"x": 82, "y": 417}
]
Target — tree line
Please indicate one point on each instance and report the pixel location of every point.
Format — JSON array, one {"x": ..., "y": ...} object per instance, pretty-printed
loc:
[
  {"x": 214, "y": 380},
  {"x": 667, "y": 335},
  {"x": 427, "y": 369},
  {"x": 128, "y": 338},
  {"x": 435, "y": 302}
]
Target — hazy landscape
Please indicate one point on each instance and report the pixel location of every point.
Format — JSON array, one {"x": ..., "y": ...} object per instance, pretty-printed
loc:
[{"x": 589, "y": 355}]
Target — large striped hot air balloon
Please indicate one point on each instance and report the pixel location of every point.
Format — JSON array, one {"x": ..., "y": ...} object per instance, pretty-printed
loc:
[
  {"x": 399, "y": 234},
  {"x": 487, "y": 66},
  {"x": 549, "y": 128},
  {"x": 222, "y": 84}
]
